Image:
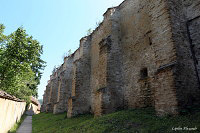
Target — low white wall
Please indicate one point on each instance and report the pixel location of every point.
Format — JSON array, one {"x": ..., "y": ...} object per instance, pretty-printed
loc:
[
  {"x": 10, "y": 113},
  {"x": 32, "y": 109}
]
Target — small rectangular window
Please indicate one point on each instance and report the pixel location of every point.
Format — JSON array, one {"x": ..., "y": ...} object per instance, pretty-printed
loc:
[
  {"x": 144, "y": 73},
  {"x": 150, "y": 41}
]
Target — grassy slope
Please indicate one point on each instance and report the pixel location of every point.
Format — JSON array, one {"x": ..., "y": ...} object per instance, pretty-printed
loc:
[{"x": 142, "y": 120}]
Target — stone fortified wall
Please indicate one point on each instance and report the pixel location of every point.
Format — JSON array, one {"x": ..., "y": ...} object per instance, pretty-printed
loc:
[
  {"x": 145, "y": 53},
  {"x": 11, "y": 110}
]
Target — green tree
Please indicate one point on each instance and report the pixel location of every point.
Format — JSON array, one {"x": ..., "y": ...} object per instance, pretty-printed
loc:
[{"x": 20, "y": 63}]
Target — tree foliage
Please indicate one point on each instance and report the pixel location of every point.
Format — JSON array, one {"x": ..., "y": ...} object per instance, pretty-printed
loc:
[
  {"x": 67, "y": 54},
  {"x": 89, "y": 31},
  {"x": 20, "y": 63}
]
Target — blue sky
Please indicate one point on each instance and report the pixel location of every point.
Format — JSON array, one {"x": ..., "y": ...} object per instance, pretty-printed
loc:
[{"x": 57, "y": 24}]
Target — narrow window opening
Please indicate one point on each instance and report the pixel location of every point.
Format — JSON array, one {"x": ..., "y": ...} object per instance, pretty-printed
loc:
[
  {"x": 150, "y": 41},
  {"x": 144, "y": 73}
]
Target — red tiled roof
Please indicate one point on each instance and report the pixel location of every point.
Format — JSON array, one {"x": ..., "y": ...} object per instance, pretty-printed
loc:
[
  {"x": 5, "y": 95},
  {"x": 36, "y": 102}
]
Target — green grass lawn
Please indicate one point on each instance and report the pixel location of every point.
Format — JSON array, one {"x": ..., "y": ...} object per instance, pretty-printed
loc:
[{"x": 138, "y": 120}]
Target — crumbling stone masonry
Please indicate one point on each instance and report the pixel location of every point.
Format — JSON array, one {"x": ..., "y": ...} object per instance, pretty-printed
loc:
[
  {"x": 65, "y": 83},
  {"x": 80, "y": 101},
  {"x": 145, "y": 53}
]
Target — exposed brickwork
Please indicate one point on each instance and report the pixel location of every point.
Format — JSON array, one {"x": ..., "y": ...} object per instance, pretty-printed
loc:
[
  {"x": 80, "y": 101},
  {"x": 144, "y": 53},
  {"x": 65, "y": 84},
  {"x": 185, "y": 24}
]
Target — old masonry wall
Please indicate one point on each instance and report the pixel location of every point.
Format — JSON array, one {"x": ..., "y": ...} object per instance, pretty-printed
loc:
[{"x": 143, "y": 54}]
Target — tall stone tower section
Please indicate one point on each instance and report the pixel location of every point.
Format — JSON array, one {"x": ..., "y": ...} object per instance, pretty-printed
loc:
[
  {"x": 185, "y": 23},
  {"x": 80, "y": 99},
  {"x": 106, "y": 65},
  {"x": 64, "y": 86},
  {"x": 149, "y": 56},
  {"x": 159, "y": 41}
]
